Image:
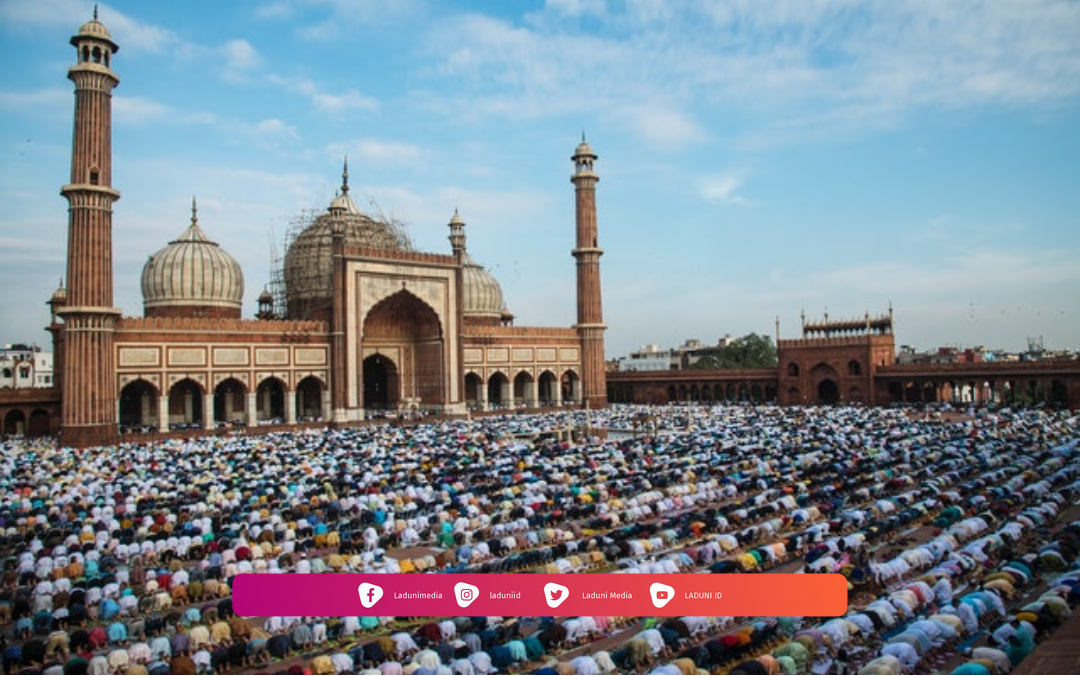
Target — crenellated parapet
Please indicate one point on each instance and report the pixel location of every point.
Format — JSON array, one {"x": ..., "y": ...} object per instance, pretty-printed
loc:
[{"x": 857, "y": 340}]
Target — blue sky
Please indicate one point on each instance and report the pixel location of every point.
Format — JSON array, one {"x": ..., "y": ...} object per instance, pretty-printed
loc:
[{"x": 757, "y": 159}]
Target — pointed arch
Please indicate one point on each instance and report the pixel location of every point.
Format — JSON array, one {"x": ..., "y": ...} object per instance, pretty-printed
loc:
[
  {"x": 408, "y": 328},
  {"x": 138, "y": 405},
  {"x": 382, "y": 383},
  {"x": 548, "y": 386},
  {"x": 15, "y": 422},
  {"x": 571, "y": 387},
  {"x": 474, "y": 386},
  {"x": 270, "y": 400},
  {"x": 185, "y": 404},
  {"x": 38, "y": 425},
  {"x": 524, "y": 392},
  {"x": 230, "y": 402},
  {"x": 498, "y": 390},
  {"x": 826, "y": 383},
  {"x": 309, "y": 399}
]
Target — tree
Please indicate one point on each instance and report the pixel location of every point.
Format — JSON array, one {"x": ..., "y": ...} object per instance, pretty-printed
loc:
[{"x": 751, "y": 351}]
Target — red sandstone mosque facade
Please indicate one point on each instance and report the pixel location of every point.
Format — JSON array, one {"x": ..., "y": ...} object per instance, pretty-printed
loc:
[{"x": 370, "y": 325}]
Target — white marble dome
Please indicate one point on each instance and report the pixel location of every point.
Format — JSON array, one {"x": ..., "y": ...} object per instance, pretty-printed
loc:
[
  {"x": 483, "y": 294},
  {"x": 192, "y": 274}
]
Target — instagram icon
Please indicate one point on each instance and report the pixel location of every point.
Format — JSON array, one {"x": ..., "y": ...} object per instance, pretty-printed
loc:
[{"x": 465, "y": 594}]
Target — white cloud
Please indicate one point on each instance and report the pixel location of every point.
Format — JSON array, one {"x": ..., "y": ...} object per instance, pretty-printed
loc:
[
  {"x": 137, "y": 36},
  {"x": 130, "y": 110},
  {"x": 37, "y": 103},
  {"x": 339, "y": 102},
  {"x": 376, "y": 150},
  {"x": 274, "y": 128},
  {"x": 799, "y": 67},
  {"x": 342, "y": 19},
  {"x": 724, "y": 187},
  {"x": 576, "y": 8},
  {"x": 45, "y": 13},
  {"x": 275, "y": 10},
  {"x": 239, "y": 58},
  {"x": 665, "y": 127}
]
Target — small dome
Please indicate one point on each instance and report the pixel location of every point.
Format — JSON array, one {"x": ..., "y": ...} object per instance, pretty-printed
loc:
[
  {"x": 266, "y": 297},
  {"x": 59, "y": 296},
  {"x": 584, "y": 149},
  {"x": 308, "y": 262},
  {"x": 192, "y": 275},
  {"x": 483, "y": 294},
  {"x": 94, "y": 28}
]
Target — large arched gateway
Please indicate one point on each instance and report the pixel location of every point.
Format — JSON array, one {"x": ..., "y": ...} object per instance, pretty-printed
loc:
[
  {"x": 404, "y": 343},
  {"x": 826, "y": 383}
]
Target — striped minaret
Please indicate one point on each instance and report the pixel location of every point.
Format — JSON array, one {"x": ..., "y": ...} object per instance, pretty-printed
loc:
[
  {"x": 590, "y": 314},
  {"x": 89, "y": 415}
]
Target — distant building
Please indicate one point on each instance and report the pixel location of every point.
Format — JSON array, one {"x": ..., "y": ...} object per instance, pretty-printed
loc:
[
  {"x": 692, "y": 350},
  {"x": 648, "y": 358},
  {"x": 25, "y": 366},
  {"x": 652, "y": 358},
  {"x": 856, "y": 362}
]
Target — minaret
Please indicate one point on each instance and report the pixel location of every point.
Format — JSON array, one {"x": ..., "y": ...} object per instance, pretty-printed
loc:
[
  {"x": 590, "y": 316},
  {"x": 338, "y": 312},
  {"x": 457, "y": 236},
  {"x": 89, "y": 414}
]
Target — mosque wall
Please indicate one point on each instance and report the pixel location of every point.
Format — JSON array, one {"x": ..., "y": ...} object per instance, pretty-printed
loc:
[
  {"x": 165, "y": 351},
  {"x": 530, "y": 352}
]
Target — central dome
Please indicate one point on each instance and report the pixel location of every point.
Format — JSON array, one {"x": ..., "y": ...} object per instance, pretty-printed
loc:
[{"x": 308, "y": 263}]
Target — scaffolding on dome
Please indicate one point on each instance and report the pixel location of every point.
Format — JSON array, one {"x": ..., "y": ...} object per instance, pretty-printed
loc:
[
  {"x": 278, "y": 288},
  {"x": 300, "y": 281}
]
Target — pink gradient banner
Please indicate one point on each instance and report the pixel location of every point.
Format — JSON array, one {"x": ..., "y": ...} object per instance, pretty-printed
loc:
[{"x": 410, "y": 595}]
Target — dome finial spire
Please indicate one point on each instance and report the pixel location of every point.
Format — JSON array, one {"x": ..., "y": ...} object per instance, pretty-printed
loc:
[
  {"x": 95, "y": 11},
  {"x": 194, "y": 211},
  {"x": 345, "y": 177}
]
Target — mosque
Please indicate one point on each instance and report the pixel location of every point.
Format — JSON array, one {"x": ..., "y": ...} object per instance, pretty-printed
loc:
[{"x": 367, "y": 326}]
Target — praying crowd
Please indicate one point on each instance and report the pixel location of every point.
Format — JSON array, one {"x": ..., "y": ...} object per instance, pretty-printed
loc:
[{"x": 959, "y": 535}]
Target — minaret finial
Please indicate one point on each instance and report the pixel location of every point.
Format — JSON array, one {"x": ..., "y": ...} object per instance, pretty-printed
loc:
[
  {"x": 194, "y": 211},
  {"x": 583, "y": 136},
  {"x": 95, "y": 11},
  {"x": 345, "y": 177}
]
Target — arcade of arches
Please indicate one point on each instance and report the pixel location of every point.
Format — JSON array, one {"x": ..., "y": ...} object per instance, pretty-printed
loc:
[
  {"x": 188, "y": 405},
  {"x": 526, "y": 390},
  {"x": 808, "y": 378},
  {"x": 714, "y": 386}
]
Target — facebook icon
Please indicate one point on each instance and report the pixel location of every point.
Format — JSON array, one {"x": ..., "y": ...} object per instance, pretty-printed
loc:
[{"x": 370, "y": 594}]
